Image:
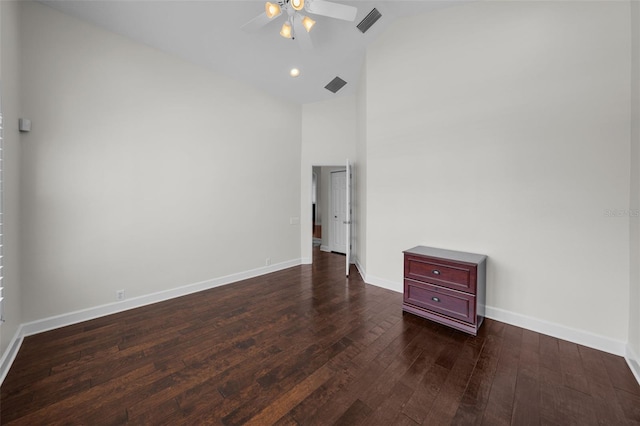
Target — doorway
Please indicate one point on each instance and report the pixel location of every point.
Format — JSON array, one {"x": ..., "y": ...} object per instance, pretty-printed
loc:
[
  {"x": 316, "y": 222},
  {"x": 322, "y": 206}
]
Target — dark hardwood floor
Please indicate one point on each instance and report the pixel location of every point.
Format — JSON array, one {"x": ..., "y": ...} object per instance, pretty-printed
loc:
[{"x": 307, "y": 346}]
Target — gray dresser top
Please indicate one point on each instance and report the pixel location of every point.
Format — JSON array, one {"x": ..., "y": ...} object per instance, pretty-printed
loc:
[{"x": 459, "y": 256}]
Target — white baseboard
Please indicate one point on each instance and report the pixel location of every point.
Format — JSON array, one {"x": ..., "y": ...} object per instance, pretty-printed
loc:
[
  {"x": 559, "y": 331},
  {"x": 10, "y": 353},
  {"x": 325, "y": 248},
  {"x": 70, "y": 318},
  {"x": 63, "y": 320},
  {"x": 552, "y": 329},
  {"x": 306, "y": 261},
  {"x": 360, "y": 269},
  {"x": 381, "y": 282},
  {"x": 633, "y": 360}
]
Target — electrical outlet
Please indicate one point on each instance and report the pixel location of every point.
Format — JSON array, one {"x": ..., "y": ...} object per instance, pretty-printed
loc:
[
  {"x": 119, "y": 294},
  {"x": 267, "y": 262}
]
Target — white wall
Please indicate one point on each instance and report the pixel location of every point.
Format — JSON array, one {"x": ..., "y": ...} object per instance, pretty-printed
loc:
[
  {"x": 143, "y": 172},
  {"x": 634, "y": 294},
  {"x": 10, "y": 86},
  {"x": 328, "y": 139},
  {"x": 506, "y": 132}
]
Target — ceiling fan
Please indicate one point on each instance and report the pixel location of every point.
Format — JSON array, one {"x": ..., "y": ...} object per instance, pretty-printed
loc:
[{"x": 297, "y": 26}]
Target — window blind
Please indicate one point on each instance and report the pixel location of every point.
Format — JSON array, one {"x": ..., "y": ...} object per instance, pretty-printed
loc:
[{"x": 1, "y": 218}]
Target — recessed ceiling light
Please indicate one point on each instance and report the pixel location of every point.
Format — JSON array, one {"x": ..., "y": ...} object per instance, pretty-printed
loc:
[{"x": 294, "y": 72}]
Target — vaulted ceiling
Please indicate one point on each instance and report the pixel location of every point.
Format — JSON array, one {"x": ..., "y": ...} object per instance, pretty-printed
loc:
[{"x": 209, "y": 33}]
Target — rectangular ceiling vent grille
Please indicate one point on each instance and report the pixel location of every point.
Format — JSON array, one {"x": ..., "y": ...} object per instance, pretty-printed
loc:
[
  {"x": 335, "y": 85},
  {"x": 369, "y": 20}
]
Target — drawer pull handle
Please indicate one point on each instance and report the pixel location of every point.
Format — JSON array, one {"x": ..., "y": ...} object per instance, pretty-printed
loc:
[
  {"x": 435, "y": 299},
  {"x": 436, "y": 272}
]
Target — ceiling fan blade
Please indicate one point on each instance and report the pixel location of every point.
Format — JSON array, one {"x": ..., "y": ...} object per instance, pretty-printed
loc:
[
  {"x": 332, "y": 10},
  {"x": 256, "y": 23},
  {"x": 300, "y": 33}
]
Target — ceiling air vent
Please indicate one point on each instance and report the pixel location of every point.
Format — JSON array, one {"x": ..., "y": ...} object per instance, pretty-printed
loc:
[
  {"x": 369, "y": 20},
  {"x": 335, "y": 85}
]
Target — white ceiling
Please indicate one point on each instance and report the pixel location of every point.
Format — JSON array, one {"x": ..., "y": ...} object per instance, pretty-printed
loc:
[{"x": 208, "y": 33}]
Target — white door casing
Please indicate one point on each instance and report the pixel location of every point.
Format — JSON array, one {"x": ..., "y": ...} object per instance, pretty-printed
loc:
[{"x": 347, "y": 220}]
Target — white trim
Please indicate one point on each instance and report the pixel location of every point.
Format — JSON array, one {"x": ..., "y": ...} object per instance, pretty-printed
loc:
[
  {"x": 552, "y": 329},
  {"x": 361, "y": 271},
  {"x": 70, "y": 318},
  {"x": 10, "y": 353},
  {"x": 559, "y": 331},
  {"x": 633, "y": 360},
  {"x": 306, "y": 261},
  {"x": 381, "y": 282},
  {"x": 63, "y": 320},
  {"x": 359, "y": 266},
  {"x": 325, "y": 248}
]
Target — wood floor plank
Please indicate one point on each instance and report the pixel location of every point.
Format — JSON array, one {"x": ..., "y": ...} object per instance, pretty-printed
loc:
[
  {"x": 355, "y": 414},
  {"x": 306, "y": 346},
  {"x": 287, "y": 420},
  {"x": 419, "y": 404},
  {"x": 68, "y": 410},
  {"x": 364, "y": 369},
  {"x": 403, "y": 420},
  {"x": 604, "y": 397},
  {"x": 573, "y": 374},
  {"x": 499, "y": 409},
  {"x": 526, "y": 404},
  {"x": 618, "y": 369},
  {"x": 406, "y": 388},
  {"x": 283, "y": 405},
  {"x": 445, "y": 406},
  {"x": 630, "y": 405},
  {"x": 476, "y": 395},
  {"x": 564, "y": 405},
  {"x": 167, "y": 412},
  {"x": 397, "y": 367}
]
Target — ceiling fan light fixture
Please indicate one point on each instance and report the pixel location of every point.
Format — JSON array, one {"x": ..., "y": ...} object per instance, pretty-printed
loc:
[
  {"x": 308, "y": 23},
  {"x": 272, "y": 10},
  {"x": 286, "y": 30},
  {"x": 297, "y": 4}
]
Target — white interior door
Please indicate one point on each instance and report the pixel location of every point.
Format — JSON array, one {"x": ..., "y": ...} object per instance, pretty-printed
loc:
[
  {"x": 339, "y": 212},
  {"x": 348, "y": 214}
]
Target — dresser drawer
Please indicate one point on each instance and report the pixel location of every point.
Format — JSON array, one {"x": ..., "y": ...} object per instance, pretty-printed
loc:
[
  {"x": 448, "y": 274},
  {"x": 451, "y": 303}
]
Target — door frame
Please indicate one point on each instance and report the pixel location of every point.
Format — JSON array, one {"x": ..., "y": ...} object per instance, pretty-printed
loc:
[{"x": 325, "y": 248}]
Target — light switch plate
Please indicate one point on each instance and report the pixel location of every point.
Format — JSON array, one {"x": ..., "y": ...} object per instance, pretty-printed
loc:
[{"x": 24, "y": 125}]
